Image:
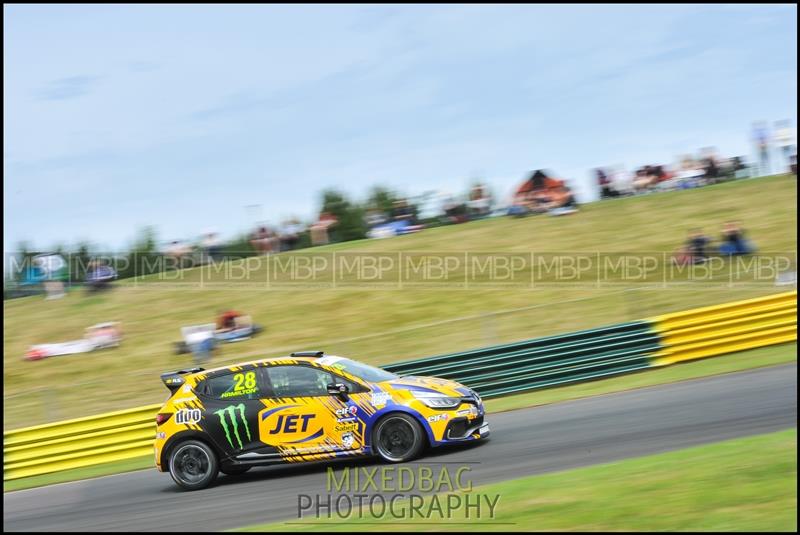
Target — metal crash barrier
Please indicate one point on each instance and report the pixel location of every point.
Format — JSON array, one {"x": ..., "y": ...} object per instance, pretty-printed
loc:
[
  {"x": 87, "y": 441},
  {"x": 716, "y": 330}
]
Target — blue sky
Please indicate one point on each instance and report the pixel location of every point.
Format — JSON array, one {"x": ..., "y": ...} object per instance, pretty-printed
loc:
[{"x": 181, "y": 116}]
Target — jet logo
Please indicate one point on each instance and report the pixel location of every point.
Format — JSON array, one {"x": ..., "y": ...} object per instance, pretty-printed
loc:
[{"x": 289, "y": 424}]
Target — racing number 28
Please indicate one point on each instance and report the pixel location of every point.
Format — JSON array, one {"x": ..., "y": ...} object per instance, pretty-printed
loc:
[{"x": 244, "y": 381}]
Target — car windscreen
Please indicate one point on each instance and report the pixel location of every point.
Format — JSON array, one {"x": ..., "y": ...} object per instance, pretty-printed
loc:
[{"x": 363, "y": 371}]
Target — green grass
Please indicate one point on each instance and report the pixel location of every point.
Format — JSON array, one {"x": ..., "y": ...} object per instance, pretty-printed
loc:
[
  {"x": 378, "y": 325},
  {"x": 743, "y": 360},
  {"x": 746, "y": 484},
  {"x": 88, "y": 472}
]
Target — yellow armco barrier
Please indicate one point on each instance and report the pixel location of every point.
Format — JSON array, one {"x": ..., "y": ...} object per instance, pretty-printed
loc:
[
  {"x": 708, "y": 331},
  {"x": 77, "y": 443}
]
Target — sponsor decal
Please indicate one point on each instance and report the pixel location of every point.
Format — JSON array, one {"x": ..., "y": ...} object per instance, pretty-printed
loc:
[
  {"x": 161, "y": 435},
  {"x": 344, "y": 428},
  {"x": 437, "y": 417},
  {"x": 229, "y": 419},
  {"x": 470, "y": 413},
  {"x": 347, "y": 440},
  {"x": 292, "y": 423},
  {"x": 232, "y": 394},
  {"x": 379, "y": 399},
  {"x": 244, "y": 384},
  {"x": 346, "y": 412},
  {"x": 187, "y": 416},
  {"x": 186, "y": 388}
]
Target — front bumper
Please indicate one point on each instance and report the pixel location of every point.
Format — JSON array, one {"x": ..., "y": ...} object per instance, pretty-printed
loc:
[
  {"x": 460, "y": 429},
  {"x": 467, "y": 423}
]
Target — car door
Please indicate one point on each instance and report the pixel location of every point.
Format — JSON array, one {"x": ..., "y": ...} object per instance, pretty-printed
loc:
[
  {"x": 231, "y": 406},
  {"x": 302, "y": 419}
]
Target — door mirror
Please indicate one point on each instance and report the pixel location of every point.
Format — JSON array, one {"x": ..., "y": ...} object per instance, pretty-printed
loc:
[{"x": 338, "y": 389}]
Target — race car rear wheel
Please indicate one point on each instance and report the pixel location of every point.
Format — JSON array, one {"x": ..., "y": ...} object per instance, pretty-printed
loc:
[
  {"x": 193, "y": 465},
  {"x": 398, "y": 438}
]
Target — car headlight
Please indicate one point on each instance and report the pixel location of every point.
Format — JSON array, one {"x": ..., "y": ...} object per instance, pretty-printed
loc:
[{"x": 435, "y": 400}]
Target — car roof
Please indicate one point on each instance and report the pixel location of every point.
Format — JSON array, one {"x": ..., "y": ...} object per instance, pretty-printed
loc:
[{"x": 288, "y": 359}]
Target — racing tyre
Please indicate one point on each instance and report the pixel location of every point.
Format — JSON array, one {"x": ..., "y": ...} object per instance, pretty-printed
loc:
[
  {"x": 234, "y": 470},
  {"x": 398, "y": 438},
  {"x": 193, "y": 465},
  {"x": 181, "y": 348}
]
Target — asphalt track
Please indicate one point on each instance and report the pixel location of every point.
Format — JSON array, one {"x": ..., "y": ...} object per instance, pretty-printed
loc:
[{"x": 524, "y": 442}]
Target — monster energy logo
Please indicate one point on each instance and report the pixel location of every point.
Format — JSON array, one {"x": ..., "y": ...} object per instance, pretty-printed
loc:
[{"x": 231, "y": 412}]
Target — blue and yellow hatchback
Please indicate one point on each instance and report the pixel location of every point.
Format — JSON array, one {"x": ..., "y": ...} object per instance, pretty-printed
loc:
[{"x": 305, "y": 407}]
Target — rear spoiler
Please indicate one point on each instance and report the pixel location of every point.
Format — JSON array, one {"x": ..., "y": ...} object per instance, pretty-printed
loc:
[
  {"x": 174, "y": 380},
  {"x": 315, "y": 354}
]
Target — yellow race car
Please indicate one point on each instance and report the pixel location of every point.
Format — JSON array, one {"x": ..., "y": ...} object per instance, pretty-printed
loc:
[{"x": 305, "y": 407}]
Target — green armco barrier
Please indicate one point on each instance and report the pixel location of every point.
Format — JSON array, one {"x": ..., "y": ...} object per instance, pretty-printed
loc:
[{"x": 542, "y": 362}]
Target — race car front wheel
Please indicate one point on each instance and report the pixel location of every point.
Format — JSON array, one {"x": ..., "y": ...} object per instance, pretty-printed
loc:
[
  {"x": 193, "y": 465},
  {"x": 398, "y": 438}
]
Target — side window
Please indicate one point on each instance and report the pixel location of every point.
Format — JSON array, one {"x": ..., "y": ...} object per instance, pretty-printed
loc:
[
  {"x": 299, "y": 381},
  {"x": 246, "y": 384}
]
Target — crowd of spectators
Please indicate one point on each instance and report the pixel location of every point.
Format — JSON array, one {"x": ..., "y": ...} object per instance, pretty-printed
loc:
[
  {"x": 690, "y": 172},
  {"x": 699, "y": 247}
]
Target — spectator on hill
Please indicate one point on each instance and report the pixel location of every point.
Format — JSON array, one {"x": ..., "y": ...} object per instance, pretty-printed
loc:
[
  {"x": 374, "y": 218},
  {"x": 454, "y": 211},
  {"x": 265, "y": 240},
  {"x": 711, "y": 172},
  {"x": 607, "y": 190},
  {"x": 479, "y": 202},
  {"x": 402, "y": 211},
  {"x": 320, "y": 229},
  {"x": 695, "y": 251},
  {"x": 738, "y": 168},
  {"x": 177, "y": 251},
  {"x": 262, "y": 240},
  {"x": 643, "y": 179},
  {"x": 690, "y": 174},
  {"x": 211, "y": 245},
  {"x": 226, "y": 319},
  {"x": 290, "y": 235},
  {"x": 698, "y": 245},
  {"x": 563, "y": 202},
  {"x": 733, "y": 240},
  {"x": 622, "y": 180}
]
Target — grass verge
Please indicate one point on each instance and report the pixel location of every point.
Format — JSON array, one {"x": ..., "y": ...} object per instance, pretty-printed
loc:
[
  {"x": 88, "y": 472},
  {"x": 746, "y": 484}
]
